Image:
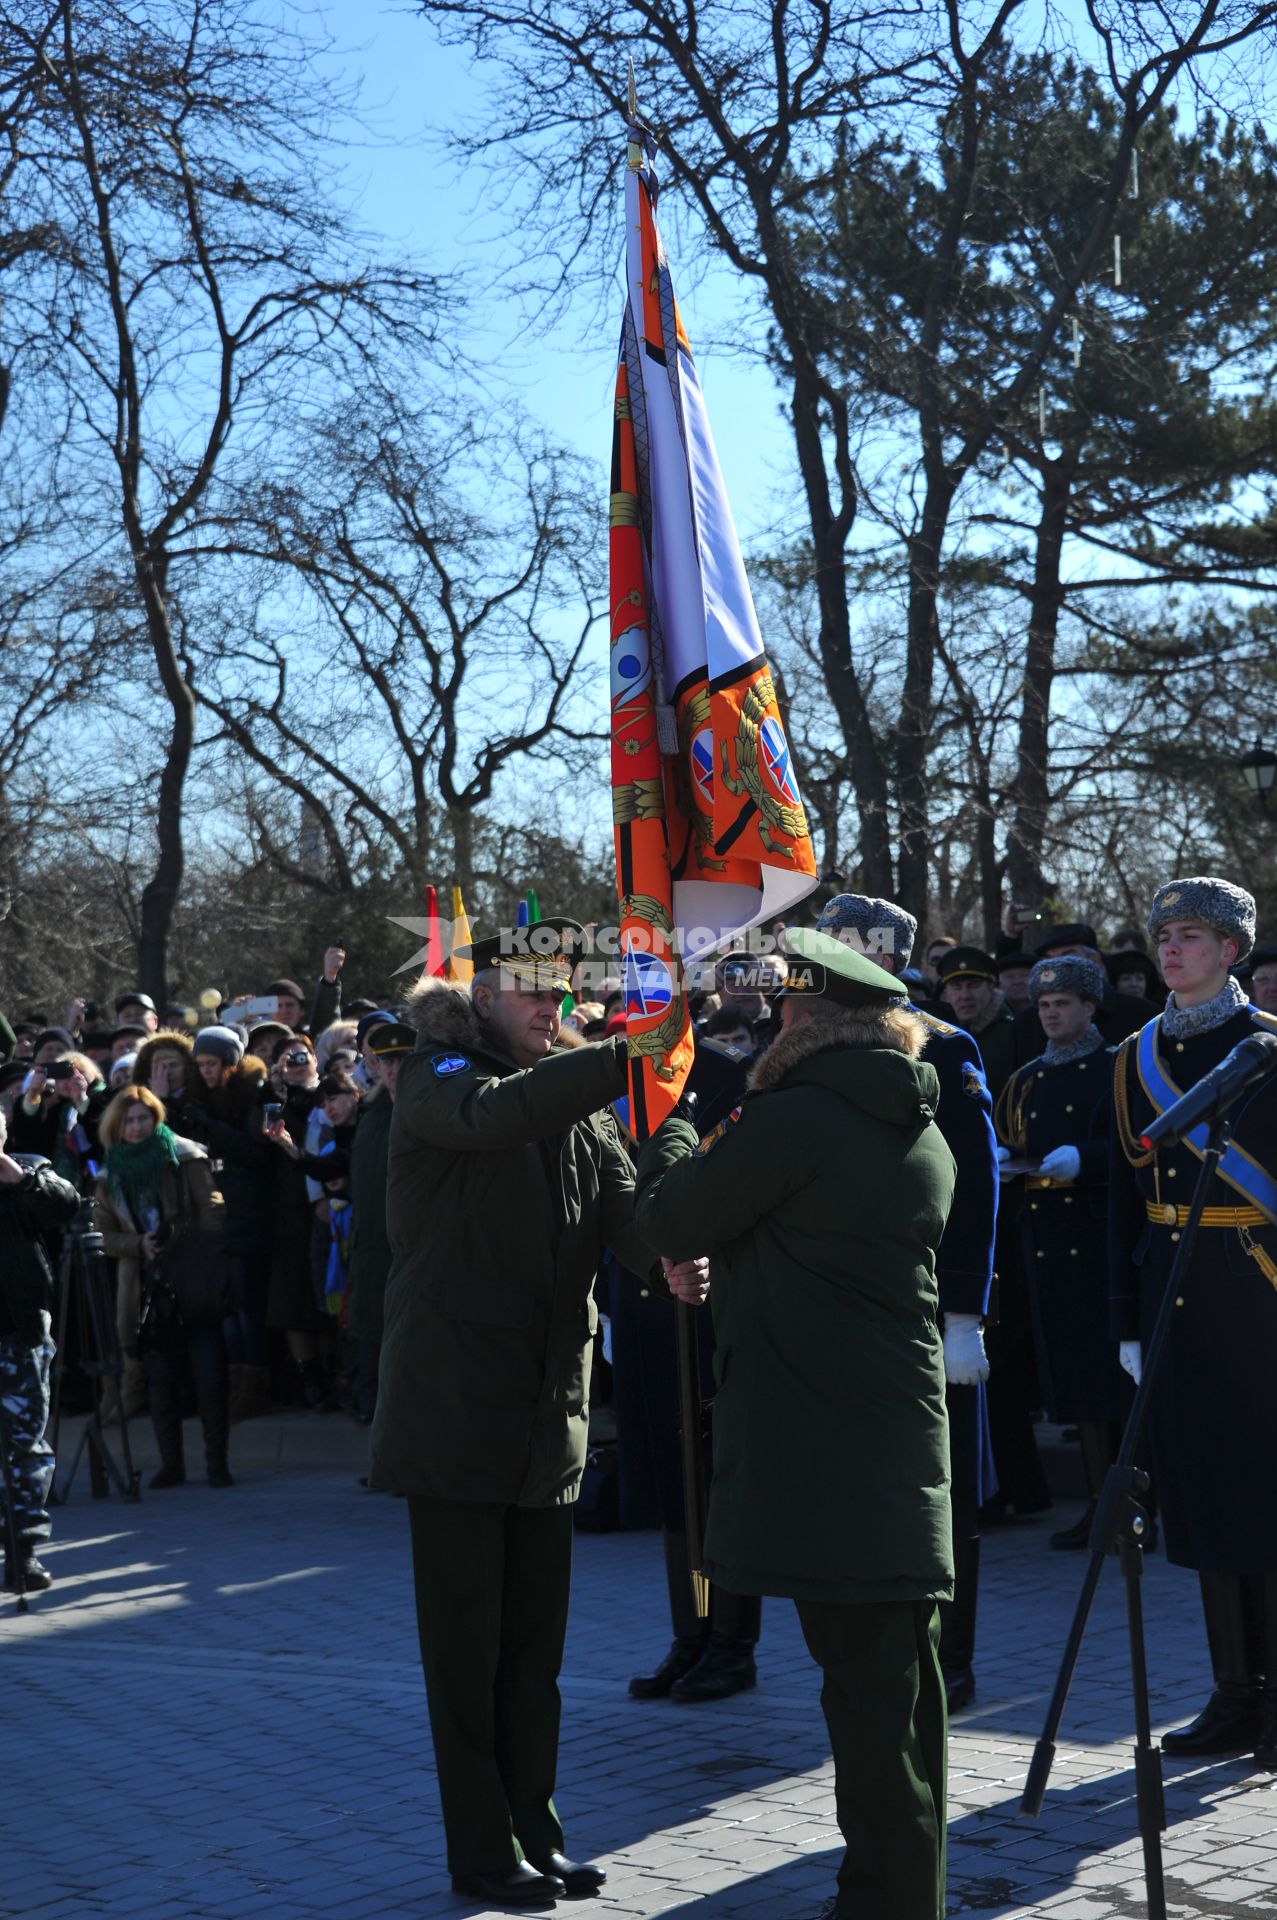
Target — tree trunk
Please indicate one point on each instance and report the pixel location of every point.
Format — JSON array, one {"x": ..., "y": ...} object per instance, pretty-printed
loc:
[
  {"x": 1032, "y": 789},
  {"x": 461, "y": 833},
  {"x": 159, "y": 896},
  {"x": 914, "y": 735},
  {"x": 829, "y": 535}
]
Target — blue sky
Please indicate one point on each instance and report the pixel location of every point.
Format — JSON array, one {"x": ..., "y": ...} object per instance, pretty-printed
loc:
[{"x": 414, "y": 92}]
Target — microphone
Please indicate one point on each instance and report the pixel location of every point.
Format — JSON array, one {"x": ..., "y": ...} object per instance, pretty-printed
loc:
[{"x": 1249, "y": 1060}]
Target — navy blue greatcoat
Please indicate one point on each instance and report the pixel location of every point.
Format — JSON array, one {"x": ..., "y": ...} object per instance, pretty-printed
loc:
[{"x": 1213, "y": 1417}]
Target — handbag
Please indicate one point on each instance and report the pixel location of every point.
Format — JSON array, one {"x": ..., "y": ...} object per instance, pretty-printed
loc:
[{"x": 196, "y": 1264}]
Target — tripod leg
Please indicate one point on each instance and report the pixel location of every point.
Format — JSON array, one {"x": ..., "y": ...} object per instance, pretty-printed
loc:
[{"x": 1149, "y": 1799}]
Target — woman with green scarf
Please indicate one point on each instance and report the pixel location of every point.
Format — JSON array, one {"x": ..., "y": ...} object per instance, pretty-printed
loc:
[{"x": 153, "y": 1180}]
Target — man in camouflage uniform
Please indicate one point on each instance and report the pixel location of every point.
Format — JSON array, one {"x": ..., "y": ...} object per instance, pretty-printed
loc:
[{"x": 34, "y": 1200}]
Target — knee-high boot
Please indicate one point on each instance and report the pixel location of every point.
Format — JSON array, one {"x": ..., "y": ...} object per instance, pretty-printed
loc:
[
  {"x": 214, "y": 1406},
  {"x": 1096, "y": 1458},
  {"x": 690, "y": 1631},
  {"x": 727, "y": 1664},
  {"x": 958, "y": 1625},
  {"x": 164, "y": 1390},
  {"x": 1229, "y": 1722},
  {"x": 1261, "y": 1633}
]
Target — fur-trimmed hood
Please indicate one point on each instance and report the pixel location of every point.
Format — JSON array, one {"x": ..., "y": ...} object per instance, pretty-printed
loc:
[
  {"x": 869, "y": 1057},
  {"x": 896, "y": 1028},
  {"x": 442, "y": 1016},
  {"x": 445, "y": 1020},
  {"x": 167, "y": 1040}
]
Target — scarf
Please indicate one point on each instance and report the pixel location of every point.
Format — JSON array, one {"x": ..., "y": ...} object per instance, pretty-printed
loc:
[
  {"x": 1059, "y": 1055},
  {"x": 1181, "y": 1023},
  {"x": 994, "y": 1011},
  {"x": 135, "y": 1169}
]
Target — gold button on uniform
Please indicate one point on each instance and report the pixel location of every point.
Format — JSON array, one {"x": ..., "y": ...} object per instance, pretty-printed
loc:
[
  {"x": 1171, "y": 1172},
  {"x": 1174, "y": 1236},
  {"x": 644, "y": 1292},
  {"x": 1179, "y": 1046},
  {"x": 1068, "y": 1109}
]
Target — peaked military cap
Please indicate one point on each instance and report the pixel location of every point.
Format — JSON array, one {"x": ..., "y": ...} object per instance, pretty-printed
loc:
[
  {"x": 391, "y": 1038},
  {"x": 1216, "y": 903},
  {"x": 1069, "y": 973},
  {"x": 1074, "y": 933},
  {"x": 540, "y": 956},
  {"x": 821, "y": 965},
  {"x": 881, "y": 924},
  {"x": 967, "y": 963}
]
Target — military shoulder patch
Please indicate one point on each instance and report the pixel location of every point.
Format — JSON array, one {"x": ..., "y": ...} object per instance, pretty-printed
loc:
[
  {"x": 973, "y": 1083},
  {"x": 446, "y": 1063},
  {"x": 934, "y": 1021},
  {"x": 717, "y": 1133}
]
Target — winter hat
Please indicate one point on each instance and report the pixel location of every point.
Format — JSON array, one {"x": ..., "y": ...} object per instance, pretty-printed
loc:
[
  {"x": 222, "y": 1042},
  {"x": 881, "y": 926},
  {"x": 1216, "y": 903},
  {"x": 1067, "y": 973}
]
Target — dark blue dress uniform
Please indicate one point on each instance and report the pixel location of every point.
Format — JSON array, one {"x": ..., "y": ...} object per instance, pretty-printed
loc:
[
  {"x": 709, "y": 1658},
  {"x": 1064, "y": 1229},
  {"x": 964, "y": 1273},
  {"x": 1213, "y": 1414}
]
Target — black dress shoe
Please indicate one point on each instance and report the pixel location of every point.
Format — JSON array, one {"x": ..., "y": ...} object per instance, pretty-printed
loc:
[
  {"x": 1228, "y": 1723},
  {"x": 1073, "y": 1539},
  {"x": 959, "y": 1687},
  {"x": 522, "y": 1887},
  {"x": 680, "y": 1659},
  {"x": 35, "y": 1578},
  {"x": 579, "y": 1878},
  {"x": 726, "y": 1667}
]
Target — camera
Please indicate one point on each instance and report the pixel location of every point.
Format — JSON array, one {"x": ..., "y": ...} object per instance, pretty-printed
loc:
[
  {"x": 271, "y": 1111},
  {"x": 60, "y": 1069},
  {"x": 296, "y": 1057}
]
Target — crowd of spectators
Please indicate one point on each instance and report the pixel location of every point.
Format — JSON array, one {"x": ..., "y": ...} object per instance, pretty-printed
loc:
[{"x": 269, "y": 1127}]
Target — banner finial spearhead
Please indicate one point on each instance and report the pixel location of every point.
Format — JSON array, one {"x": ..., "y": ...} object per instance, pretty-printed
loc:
[{"x": 631, "y": 89}]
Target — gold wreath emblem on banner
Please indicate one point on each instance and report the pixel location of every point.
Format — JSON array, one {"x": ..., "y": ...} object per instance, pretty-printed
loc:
[
  {"x": 772, "y": 813},
  {"x": 643, "y": 800},
  {"x": 694, "y": 716},
  {"x": 658, "y": 1042}
]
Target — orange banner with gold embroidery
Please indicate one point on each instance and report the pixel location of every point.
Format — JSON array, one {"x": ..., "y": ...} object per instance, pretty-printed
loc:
[{"x": 711, "y": 836}]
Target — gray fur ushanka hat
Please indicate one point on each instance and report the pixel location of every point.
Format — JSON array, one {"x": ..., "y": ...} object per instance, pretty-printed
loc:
[
  {"x": 1067, "y": 973},
  {"x": 882, "y": 926},
  {"x": 1216, "y": 903}
]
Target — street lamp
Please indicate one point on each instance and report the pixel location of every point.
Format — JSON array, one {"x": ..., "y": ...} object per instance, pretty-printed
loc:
[{"x": 1259, "y": 769}]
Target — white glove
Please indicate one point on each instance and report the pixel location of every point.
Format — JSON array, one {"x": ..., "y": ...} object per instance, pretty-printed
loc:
[
  {"x": 1062, "y": 1163},
  {"x": 965, "y": 1361},
  {"x": 1003, "y": 1153},
  {"x": 1128, "y": 1353}
]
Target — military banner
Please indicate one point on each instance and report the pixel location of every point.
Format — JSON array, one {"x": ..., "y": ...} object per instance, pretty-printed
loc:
[{"x": 711, "y": 837}]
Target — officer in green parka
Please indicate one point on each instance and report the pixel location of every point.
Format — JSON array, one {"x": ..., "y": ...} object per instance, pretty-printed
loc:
[
  {"x": 506, "y": 1179},
  {"x": 821, "y": 1207}
]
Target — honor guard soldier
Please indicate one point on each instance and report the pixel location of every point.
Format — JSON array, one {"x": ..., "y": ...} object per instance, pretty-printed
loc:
[
  {"x": 1213, "y": 1414},
  {"x": 965, "y": 1271},
  {"x": 823, "y": 1204},
  {"x": 506, "y": 1180},
  {"x": 1054, "y": 1113},
  {"x": 1117, "y": 1014}
]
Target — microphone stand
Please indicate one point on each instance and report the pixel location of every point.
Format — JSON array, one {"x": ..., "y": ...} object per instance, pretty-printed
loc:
[{"x": 1119, "y": 1527}]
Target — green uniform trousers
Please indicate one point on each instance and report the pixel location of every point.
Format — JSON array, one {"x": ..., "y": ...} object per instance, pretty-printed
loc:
[
  {"x": 884, "y": 1706},
  {"x": 492, "y": 1613}
]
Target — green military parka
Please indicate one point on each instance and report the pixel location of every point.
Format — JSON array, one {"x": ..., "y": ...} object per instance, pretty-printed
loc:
[
  {"x": 821, "y": 1209},
  {"x": 504, "y": 1186}
]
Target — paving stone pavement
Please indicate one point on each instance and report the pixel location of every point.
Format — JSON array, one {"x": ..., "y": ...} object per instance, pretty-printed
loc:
[{"x": 217, "y": 1714}]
